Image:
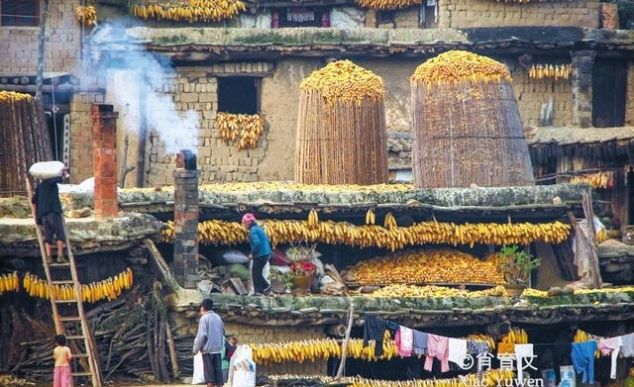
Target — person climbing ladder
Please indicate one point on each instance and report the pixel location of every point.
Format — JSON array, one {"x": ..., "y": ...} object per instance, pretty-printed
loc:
[{"x": 48, "y": 212}]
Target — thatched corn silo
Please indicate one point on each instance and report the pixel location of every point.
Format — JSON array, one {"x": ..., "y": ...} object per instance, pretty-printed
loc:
[
  {"x": 25, "y": 140},
  {"x": 466, "y": 125},
  {"x": 341, "y": 127}
]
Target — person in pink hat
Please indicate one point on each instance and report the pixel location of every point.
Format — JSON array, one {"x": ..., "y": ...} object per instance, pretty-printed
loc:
[{"x": 260, "y": 253}]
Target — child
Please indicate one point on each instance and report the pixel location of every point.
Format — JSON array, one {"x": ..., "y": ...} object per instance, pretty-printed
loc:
[
  {"x": 230, "y": 347},
  {"x": 62, "y": 376}
]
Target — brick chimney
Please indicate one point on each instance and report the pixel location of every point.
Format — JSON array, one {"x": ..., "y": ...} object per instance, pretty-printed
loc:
[
  {"x": 104, "y": 156},
  {"x": 186, "y": 212}
]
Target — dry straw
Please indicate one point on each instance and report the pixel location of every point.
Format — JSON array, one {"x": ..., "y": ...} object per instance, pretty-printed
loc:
[
  {"x": 466, "y": 124},
  {"x": 341, "y": 127}
]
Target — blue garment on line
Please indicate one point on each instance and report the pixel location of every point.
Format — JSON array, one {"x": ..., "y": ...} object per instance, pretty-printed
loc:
[{"x": 583, "y": 359}]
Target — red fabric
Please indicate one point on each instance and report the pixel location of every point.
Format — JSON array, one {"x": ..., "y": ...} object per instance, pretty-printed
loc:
[
  {"x": 62, "y": 377},
  {"x": 437, "y": 347}
]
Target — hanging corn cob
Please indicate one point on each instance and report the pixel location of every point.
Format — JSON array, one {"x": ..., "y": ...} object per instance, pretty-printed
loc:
[
  {"x": 12, "y": 96},
  {"x": 86, "y": 15},
  {"x": 220, "y": 232},
  {"x": 108, "y": 289},
  {"x": 600, "y": 180},
  {"x": 387, "y": 4},
  {"x": 245, "y": 128},
  {"x": 194, "y": 11},
  {"x": 9, "y": 283},
  {"x": 556, "y": 72}
]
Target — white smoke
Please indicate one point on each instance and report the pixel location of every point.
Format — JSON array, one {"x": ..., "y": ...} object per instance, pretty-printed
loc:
[{"x": 147, "y": 80}]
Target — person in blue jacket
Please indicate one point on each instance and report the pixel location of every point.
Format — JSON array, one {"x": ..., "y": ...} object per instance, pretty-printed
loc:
[{"x": 260, "y": 253}]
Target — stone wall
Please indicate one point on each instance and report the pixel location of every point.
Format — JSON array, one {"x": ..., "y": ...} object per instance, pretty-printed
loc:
[
  {"x": 490, "y": 13},
  {"x": 18, "y": 45},
  {"x": 531, "y": 94}
]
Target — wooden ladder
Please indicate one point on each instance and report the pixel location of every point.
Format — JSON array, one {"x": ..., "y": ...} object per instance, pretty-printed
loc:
[{"x": 68, "y": 315}]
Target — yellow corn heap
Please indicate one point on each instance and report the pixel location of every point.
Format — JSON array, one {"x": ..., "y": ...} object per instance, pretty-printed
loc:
[
  {"x": 387, "y": 4},
  {"x": 556, "y": 72},
  {"x": 281, "y": 186},
  {"x": 541, "y": 293},
  {"x": 86, "y": 15},
  {"x": 246, "y": 129},
  {"x": 194, "y": 11},
  {"x": 461, "y": 66},
  {"x": 426, "y": 266},
  {"x": 108, "y": 289},
  {"x": 414, "y": 291},
  {"x": 219, "y": 232},
  {"x": 12, "y": 96},
  {"x": 9, "y": 283},
  {"x": 344, "y": 81},
  {"x": 489, "y": 379}
]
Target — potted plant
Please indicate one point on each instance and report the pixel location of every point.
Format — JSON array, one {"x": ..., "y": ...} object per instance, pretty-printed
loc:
[
  {"x": 302, "y": 274},
  {"x": 281, "y": 282},
  {"x": 518, "y": 265}
]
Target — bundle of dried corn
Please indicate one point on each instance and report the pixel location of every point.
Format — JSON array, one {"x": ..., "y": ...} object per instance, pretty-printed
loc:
[
  {"x": 25, "y": 140},
  {"x": 341, "y": 127},
  {"x": 86, "y": 15},
  {"x": 556, "y": 72},
  {"x": 387, "y": 4},
  {"x": 194, "y": 11},
  {"x": 466, "y": 124},
  {"x": 246, "y": 129}
]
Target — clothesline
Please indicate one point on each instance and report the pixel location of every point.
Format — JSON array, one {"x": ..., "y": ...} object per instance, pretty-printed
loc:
[{"x": 410, "y": 342}]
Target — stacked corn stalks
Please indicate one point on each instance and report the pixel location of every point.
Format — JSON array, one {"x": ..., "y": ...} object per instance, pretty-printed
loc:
[
  {"x": 194, "y": 11},
  {"x": 413, "y": 291},
  {"x": 218, "y": 232},
  {"x": 544, "y": 71},
  {"x": 341, "y": 127},
  {"x": 9, "y": 283},
  {"x": 600, "y": 180},
  {"x": 466, "y": 124},
  {"x": 86, "y": 15},
  {"x": 426, "y": 266},
  {"x": 246, "y": 129},
  {"x": 387, "y": 4},
  {"x": 109, "y": 289}
]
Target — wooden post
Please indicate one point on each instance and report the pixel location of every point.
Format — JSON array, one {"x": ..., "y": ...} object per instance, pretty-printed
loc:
[
  {"x": 344, "y": 349},
  {"x": 588, "y": 212}
]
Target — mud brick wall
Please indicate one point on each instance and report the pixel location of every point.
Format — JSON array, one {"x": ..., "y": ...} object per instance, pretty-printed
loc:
[
  {"x": 81, "y": 135},
  {"x": 18, "y": 45},
  {"x": 491, "y": 13},
  {"x": 531, "y": 94},
  {"x": 273, "y": 334}
]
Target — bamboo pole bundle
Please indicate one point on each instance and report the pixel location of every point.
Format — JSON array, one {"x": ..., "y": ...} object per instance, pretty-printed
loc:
[
  {"x": 341, "y": 127},
  {"x": 466, "y": 124},
  {"x": 25, "y": 140}
]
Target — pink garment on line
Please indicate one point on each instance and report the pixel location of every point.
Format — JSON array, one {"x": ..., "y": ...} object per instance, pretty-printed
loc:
[
  {"x": 437, "y": 347},
  {"x": 62, "y": 377},
  {"x": 404, "y": 341},
  {"x": 611, "y": 346}
]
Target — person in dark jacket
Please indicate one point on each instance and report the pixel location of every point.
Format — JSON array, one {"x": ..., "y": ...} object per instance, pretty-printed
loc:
[
  {"x": 48, "y": 213},
  {"x": 260, "y": 253}
]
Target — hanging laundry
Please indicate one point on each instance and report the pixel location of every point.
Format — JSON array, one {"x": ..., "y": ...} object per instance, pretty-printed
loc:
[
  {"x": 374, "y": 329},
  {"x": 437, "y": 347},
  {"x": 476, "y": 347},
  {"x": 553, "y": 356},
  {"x": 506, "y": 348},
  {"x": 627, "y": 349},
  {"x": 457, "y": 352},
  {"x": 583, "y": 360},
  {"x": 420, "y": 343},
  {"x": 404, "y": 341},
  {"x": 523, "y": 352},
  {"x": 611, "y": 346}
]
